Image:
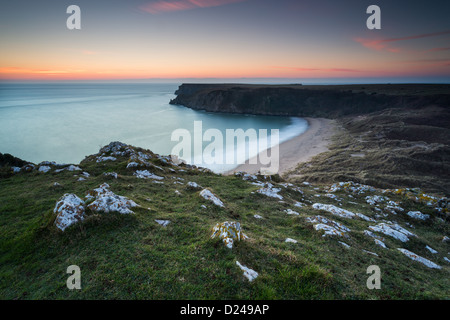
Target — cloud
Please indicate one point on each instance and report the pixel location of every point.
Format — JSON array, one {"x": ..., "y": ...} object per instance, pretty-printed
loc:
[
  {"x": 437, "y": 49},
  {"x": 18, "y": 70},
  {"x": 157, "y": 7},
  {"x": 384, "y": 44},
  {"x": 318, "y": 69}
]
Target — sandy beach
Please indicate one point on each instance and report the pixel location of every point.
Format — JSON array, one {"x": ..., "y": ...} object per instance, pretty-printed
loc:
[{"x": 301, "y": 148}]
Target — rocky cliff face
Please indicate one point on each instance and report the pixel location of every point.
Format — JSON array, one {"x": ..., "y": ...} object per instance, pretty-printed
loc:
[{"x": 308, "y": 101}]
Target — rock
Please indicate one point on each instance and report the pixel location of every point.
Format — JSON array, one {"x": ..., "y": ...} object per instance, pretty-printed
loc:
[
  {"x": 420, "y": 259},
  {"x": 352, "y": 187},
  {"x": 270, "y": 191},
  {"x": 44, "y": 169},
  {"x": 364, "y": 217},
  {"x": 380, "y": 243},
  {"x": 299, "y": 204},
  {"x": 110, "y": 174},
  {"x": 115, "y": 146},
  {"x": 291, "y": 212},
  {"x": 164, "y": 223},
  {"x": 418, "y": 215},
  {"x": 331, "y": 228},
  {"x": 372, "y": 253},
  {"x": 107, "y": 201},
  {"x": 431, "y": 249},
  {"x": 290, "y": 240},
  {"x": 393, "y": 230},
  {"x": 145, "y": 174},
  {"x": 248, "y": 273},
  {"x": 70, "y": 210},
  {"x": 393, "y": 208},
  {"x": 193, "y": 185},
  {"x": 373, "y": 235},
  {"x": 344, "y": 244},
  {"x": 229, "y": 232},
  {"x": 72, "y": 168},
  {"x": 332, "y": 196},
  {"x": 103, "y": 158},
  {"x": 132, "y": 164},
  {"x": 257, "y": 216},
  {"x": 334, "y": 210},
  {"x": 208, "y": 195},
  {"x": 374, "y": 200},
  {"x": 15, "y": 169}
]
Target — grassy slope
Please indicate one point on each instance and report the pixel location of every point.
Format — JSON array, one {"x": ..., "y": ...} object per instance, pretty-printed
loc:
[{"x": 132, "y": 257}]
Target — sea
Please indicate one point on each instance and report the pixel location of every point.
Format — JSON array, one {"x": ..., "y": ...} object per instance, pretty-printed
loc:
[{"x": 65, "y": 122}]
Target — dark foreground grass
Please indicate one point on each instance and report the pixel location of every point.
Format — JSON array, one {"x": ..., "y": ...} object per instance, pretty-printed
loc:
[{"x": 132, "y": 257}]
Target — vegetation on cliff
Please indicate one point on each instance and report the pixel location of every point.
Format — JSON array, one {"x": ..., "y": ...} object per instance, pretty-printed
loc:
[{"x": 305, "y": 241}]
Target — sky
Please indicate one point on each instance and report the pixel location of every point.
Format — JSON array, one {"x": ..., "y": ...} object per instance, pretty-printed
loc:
[{"x": 165, "y": 39}]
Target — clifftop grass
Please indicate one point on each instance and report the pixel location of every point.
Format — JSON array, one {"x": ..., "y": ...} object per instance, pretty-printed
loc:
[{"x": 133, "y": 257}]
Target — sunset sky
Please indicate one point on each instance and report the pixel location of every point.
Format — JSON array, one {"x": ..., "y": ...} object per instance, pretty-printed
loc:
[{"x": 141, "y": 39}]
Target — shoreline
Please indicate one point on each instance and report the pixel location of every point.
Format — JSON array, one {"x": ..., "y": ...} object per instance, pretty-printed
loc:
[{"x": 301, "y": 148}]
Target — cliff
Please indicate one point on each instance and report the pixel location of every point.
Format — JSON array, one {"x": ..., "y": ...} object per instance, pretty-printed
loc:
[{"x": 309, "y": 101}]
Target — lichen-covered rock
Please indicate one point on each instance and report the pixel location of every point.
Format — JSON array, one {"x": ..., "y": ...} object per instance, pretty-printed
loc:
[
  {"x": 334, "y": 210},
  {"x": 72, "y": 168},
  {"x": 380, "y": 243},
  {"x": 418, "y": 215},
  {"x": 193, "y": 185},
  {"x": 208, "y": 195},
  {"x": 15, "y": 169},
  {"x": 70, "y": 210},
  {"x": 106, "y": 158},
  {"x": 229, "y": 232},
  {"x": 114, "y": 147},
  {"x": 270, "y": 191},
  {"x": 331, "y": 228},
  {"x": 44, "y": 169},
  {"x": 352, "y": 187},
  {"x": 110, "y": 174},
  {"x": 107, "y": 201},
  {"x": 374, "y": 200},
  {"x": 393, "y": 230},
  {"x": 420, "y": 259},
  {"x": 145, "y": 174}
]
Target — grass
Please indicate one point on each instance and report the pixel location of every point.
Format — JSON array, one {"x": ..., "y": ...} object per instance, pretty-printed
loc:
[{"x": 132, "y": 257}]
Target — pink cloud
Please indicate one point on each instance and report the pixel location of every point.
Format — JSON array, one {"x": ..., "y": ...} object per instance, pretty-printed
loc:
[
  {"x": 437, "y": 49},
  {"x": 384, "y": 44},
  {"x": 157, "y": 7},
  {"x": 319, "y": 69}
]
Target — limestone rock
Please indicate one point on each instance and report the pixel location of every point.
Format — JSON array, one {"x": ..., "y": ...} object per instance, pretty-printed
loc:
[
  {"x": 229, "y": 232},
  {"x": 208, "y": 195},
  {"x": 107, "y": 201},
  {"x": 248, "y": 273},
  {"x": 70, "y": 210}
]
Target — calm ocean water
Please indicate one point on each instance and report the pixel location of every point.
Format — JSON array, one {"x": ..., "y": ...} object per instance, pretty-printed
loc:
[{"x": 65, "y": 122}]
